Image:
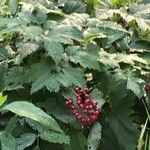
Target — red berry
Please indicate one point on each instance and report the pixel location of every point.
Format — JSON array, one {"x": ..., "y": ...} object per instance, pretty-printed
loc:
[
  {"x": 87, "y": 101},
  {"x": 94, "y": 102},
  {"x": 90, "y": 106},
  {"x": 148, "y": 87},
  {"x": 86, "y": 96},
  {"x": 76, "y": 114},
  {"x": 83, "y": 120},
  {"x": 72, "y": 107},
  {"x": 81, "y": 106},
  {"x": 70, "y": 101},
  {"x": 79, "y": 117},
  {"x": 96, "y": 113},
  {"x": 87, "y": 90},
  {"x": 87, "y": 108},
  {"x": 90, "y": 112},
  {"x": 79, "y": 103},
  {"x": 67, "y": 103},
  {"x": 94, "y": 118},
  {"x": 74, "y": 111}
]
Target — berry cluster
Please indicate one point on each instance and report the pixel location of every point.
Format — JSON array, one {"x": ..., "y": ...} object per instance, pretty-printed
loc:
[
  {"x": 83, "y": 108},
  {"x": 148, "y": 87}
]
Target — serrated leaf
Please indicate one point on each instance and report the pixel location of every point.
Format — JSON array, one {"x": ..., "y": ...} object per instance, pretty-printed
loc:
[
  {"x": 48, "y": 135},
  {"x": 94, "y": 137},
  {"x": 13, "y": 6},
  {"x": 98, "y": 96},
  {"x": 120, "y": 121},
  {"x": 37, "y": 69},
  {"x": 25, "y": 140},
  {"x": 55, "y": 137},
  {"x": 26, "y": 49},
  {"x": 74, "y": 7},
  {"x": 2, "y": 99},
  {"x": 86, "y": 60},
  {"x": 7, "y": 141},
  {"x": 54, "y": 49},
  {"x": 78, "y": 141},
  {"x": 28, "y": 110},
  {"x": 15, "y": 78},
  {"x": 12, "y": 123},
  {"x": 47, "y": 80},
  {"x": 136, "y": 85},
  {"x": 71, "y": 76},
  {"x": 33, "y": 32},
  {"x": 65, "y": 34}
]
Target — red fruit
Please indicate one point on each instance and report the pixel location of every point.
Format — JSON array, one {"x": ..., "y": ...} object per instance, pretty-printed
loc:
[
  {"x": 86, "y": 96},
  {"x": 83, "y": 120},
  {"x": 78, "y": 96},
  {"x": 77, "y": 89},
  {"x": 74, "y": 111},
  {"x": 90, "y": 106},
  {"x": 79, "y": 99},
  {"x": 79, "y": 103},
  {"x": 94, "y": 118},
  {"x": 72, "y": 107},
  {"x": 96, "y": 113},
  {"x": 88, "y": 121},
  {"x": 148, "y": 87},
  {"x": 87, "y": 107},
  {"x": 90, "y": 112},
  {"x": 94, "y": 102},
  {"x": 67, "y": 103},
  {"x": 81, "y": 106},
  {"x": 86, "y": 90},
  {"x": 76, "y": 114},
  {"x": 70, "y": 101},
  {"x": 87, "y": 101},
  {"x": 79, "y": 117}
]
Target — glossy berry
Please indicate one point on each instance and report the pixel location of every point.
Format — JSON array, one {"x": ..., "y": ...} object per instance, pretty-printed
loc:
[
  {"x": 85, "y": 110},
  {"x": 148, "y": 87}
]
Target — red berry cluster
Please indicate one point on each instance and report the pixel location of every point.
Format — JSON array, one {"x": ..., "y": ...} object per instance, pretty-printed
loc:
[
  {"x": 83, "y": 108},
  {"x": 148, "y": 87}
]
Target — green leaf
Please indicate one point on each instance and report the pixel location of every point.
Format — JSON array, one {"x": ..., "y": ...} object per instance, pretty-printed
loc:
[
  {"x": 26, "y": 49},
  {"x": 98, "y": 96},
  {"x": 13, "y": 6},
  {"x": 15, "y": 78},
  {"x": 25, "y": 140},
  {"x": 74, "y": 7},
  {"x": 78, "y": 141},
  {"x": 94, "y": 137},
  {"x": 47, "y": 80},
  {"x": 48, "y": 135},
  {"x": 54, "y": 49},
  {"x": 2, "y": 99},
  {"x": 71, "y": 76},
  {"x": 28, "y": 110},
  {"x": 55, "y": 137},
  {"x": 37, "y": 69},
  {"x": 120, "y": 122},
  {"x": 3, "y": 71},
  {"x": 33, "y": 32},
  {"x": 65, "y": 34},
  {"x": 7, "y": 141},
  {"x": 86, "y": 60},
  {"x": 2, "y": 2},
  {"x": 136, "y": 85}
]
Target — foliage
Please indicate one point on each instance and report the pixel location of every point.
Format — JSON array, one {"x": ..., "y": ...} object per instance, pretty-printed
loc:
[{"x": 47, "y": 48}]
